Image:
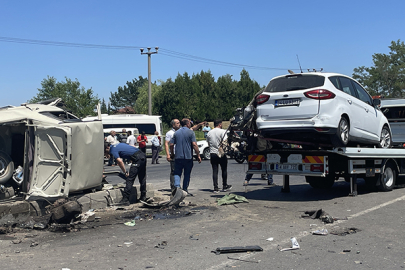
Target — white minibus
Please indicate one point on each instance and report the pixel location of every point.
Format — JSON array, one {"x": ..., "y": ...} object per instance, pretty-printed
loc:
[{"x": 136, "y": 123}]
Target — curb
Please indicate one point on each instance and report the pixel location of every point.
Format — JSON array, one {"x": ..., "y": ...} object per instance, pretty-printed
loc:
[{"x": 15, "y": 212}]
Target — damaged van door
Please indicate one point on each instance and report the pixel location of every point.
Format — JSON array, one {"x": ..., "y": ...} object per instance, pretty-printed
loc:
[{"x": 50, "y": 177}]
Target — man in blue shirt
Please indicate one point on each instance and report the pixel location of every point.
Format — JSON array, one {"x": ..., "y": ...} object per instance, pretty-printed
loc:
[
  {"x": 185, "y": 142},
  {"x": 206, "y": 129},
  {"x": 122, "y": 151}
]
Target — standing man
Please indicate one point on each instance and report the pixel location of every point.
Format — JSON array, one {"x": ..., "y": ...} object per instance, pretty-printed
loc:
[
  {"x": 138, "y": 167},
  {"x": 142, "y": 140},
  {"x": 131, "y": 139},
  {"x": 155, "y": 148},
  {"x": 206, "y": 129},
  {"x": 169, "y": 135},
  {"x": 111, "y": 139},
  {"x": 214, "y": 139},
  {"x": 185, "y": 142}
]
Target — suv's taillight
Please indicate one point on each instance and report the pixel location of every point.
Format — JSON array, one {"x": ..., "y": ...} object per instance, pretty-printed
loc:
[
  {"x": 319, "y": 94},
  {"x": 260, "y": 99}
]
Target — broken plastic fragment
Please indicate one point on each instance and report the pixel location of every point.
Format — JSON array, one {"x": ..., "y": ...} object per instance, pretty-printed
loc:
[
  {"x": 130, "y": 223},
  {"x": 320, "y": 232},
  {"x": 294, "y": 245}
]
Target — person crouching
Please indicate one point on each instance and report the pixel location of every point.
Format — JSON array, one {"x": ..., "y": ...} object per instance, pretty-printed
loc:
[{"x": 122, "y": 151}]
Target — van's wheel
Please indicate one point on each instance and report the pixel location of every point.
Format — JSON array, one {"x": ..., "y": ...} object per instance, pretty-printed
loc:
[
  {"x": 341, "y": 138},
  {"x": 206, "y": 154},
  {"x": 6, "y": 167},
  {"x": 388, "y": 177},
  {"x": 385, "y": 138},
  {"x": 320, "y": 182}
]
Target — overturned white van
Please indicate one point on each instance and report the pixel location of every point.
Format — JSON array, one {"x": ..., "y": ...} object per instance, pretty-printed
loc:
[{"x": 46, "y": 152}]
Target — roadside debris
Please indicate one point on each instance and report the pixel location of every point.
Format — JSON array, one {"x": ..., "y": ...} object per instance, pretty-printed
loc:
[
  {"x": 294, "y": 245},
  {"x": 231, "y": 199},
  {"x": 237, "y": 259},
  {"x": 176, "y": 200},
  {"x": 270, "y": 239},
  {"x": 88, "y": 216},
  {"x": 130, "y": 223},
  {"x": 63, "y": 211},
  {"x": 320, "y": 232},
  {"x": 342, "y": 231},
  {"x": 318, "y": 214},
  {"x": 236, "y": 249},
  {"x": 161, "y": 245}
]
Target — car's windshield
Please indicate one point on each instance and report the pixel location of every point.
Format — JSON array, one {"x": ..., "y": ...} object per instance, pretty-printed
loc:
[{"x": 294, "y": 82}]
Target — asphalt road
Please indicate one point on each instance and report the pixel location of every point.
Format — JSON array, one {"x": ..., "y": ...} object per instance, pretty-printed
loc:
[{"x": 183, "y": 238}]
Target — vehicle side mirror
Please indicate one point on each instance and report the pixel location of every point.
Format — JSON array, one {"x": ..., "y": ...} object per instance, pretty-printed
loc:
[{"x": 376, "y": 102}]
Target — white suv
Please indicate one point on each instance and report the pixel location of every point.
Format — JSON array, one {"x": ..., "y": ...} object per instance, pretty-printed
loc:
[{"x": 321, "y": 108}]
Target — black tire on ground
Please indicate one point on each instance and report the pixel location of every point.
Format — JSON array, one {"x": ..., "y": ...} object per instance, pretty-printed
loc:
[
  {"x": 320, "y": 182},
  {"x": 6, "y": 167},
  {"x": 341, "y": 138},
  {"x": 206, "y": 154},
  {"x": 388, "y": 177},
  {"x": 385, "y": 138},
  {"x": 240, "y": 158}
]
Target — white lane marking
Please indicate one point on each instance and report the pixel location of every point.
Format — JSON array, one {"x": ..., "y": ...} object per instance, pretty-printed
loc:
[{"x": 305, "y": 233}]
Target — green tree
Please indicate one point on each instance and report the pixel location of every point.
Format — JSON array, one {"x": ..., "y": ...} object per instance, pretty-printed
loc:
[
  {"x": 104, "y": 109},
  {"x": 387, "y": 76},
  {"x": 142, "y": 102},
  {"x": 80, "y": 101},
  {"x": 128, "y": 94}
]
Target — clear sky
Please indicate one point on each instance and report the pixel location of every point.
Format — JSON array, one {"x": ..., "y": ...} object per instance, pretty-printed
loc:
[{"x": 265, "y": 37}]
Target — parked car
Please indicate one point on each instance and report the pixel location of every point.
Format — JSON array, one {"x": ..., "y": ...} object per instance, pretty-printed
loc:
[
  {"x": 204, "y": 149},
  {"x": 318, "y": 107},
  {"x": 394, "y": 110},
  {"x": 46, "y": 152}
]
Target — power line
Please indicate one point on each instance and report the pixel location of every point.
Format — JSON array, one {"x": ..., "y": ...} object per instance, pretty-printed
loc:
[{"x": 162, "y": 51}]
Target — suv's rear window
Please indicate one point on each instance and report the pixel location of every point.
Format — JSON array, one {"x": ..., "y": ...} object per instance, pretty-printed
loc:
[{"x": 294, "y": 82}]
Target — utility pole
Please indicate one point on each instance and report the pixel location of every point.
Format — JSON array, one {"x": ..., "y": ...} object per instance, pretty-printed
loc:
[{"x": 149, "y": 53}]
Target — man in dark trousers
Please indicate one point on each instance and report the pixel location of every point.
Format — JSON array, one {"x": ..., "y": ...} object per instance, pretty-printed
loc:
[
  {"x": 138, "y": 168},
  {"x": 215, "y": 137}
]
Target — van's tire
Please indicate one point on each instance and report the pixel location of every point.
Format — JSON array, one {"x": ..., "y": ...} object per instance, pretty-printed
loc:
[
  {"x": 320, "y": 182},
  {"x": 341, "y": 138},
  {"x": 385, "y": 138},
  {"x": 6, "y": 167},
  {"x": 206, "y": 153},
  {"x": 388, "y": 177}
]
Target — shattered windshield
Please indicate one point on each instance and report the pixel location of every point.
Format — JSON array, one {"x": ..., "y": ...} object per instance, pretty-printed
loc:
[{"x": 294, "y": 82}]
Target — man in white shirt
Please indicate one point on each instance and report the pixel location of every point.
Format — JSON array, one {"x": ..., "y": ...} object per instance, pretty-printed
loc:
[
  {"x": 214, "y": 139},
  {"x": 131, "y": 139},
  {"x": 169, "y": 135},
  {"x": 111, "y": 139}
]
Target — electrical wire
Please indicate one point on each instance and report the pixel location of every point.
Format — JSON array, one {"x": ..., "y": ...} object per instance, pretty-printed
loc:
[{"x": 162, "y": 51}]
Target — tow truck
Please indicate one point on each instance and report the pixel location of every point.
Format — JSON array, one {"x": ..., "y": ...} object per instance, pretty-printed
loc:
[{"x": 377, "y": 166}]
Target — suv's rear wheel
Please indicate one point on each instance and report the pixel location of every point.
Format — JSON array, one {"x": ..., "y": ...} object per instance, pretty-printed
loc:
[
  {"x": 341, "y": 138},
  {"x": 385, "y": 138}
]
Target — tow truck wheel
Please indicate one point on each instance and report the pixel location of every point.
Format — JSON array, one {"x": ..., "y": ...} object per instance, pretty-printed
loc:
[
  {"x": 341, "y": 138},
  {"x": 6, "y": 167},
  {"x": 388, "y": 177},
  {"x": 320, "y": 182}
]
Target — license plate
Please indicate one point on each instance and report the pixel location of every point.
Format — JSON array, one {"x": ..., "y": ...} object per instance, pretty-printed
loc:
[
  {"x": 287, "y": 102},
  {"x": 286, "y": 166}
]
